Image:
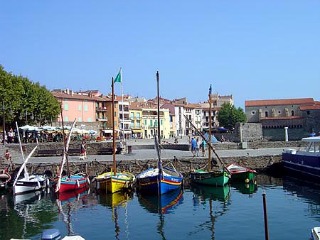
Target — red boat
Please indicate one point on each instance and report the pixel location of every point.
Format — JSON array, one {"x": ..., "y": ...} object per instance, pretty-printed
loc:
[{"x": 73, "y": 183}]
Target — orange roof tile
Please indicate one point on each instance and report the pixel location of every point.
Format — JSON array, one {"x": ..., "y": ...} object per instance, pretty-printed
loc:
[{"x": 274, "y": 102}]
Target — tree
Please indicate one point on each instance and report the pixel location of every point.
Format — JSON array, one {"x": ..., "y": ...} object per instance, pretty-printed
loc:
[
  {"x": 229, "y": 115},
  {"x": 26, "y": 102}
]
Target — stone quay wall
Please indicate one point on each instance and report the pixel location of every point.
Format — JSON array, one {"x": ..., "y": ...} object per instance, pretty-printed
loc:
[{"x": 259, "y": 163}]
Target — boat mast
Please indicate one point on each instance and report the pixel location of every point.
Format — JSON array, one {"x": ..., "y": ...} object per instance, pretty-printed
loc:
[
  {"x": 209, "y": 154},
  {"x": 64, "y": 142},
  {"x": 158, "y": 107},
  {"x": 113, "y": 132}
]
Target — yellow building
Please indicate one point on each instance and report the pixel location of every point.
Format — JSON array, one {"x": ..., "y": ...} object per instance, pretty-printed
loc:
[{"x": 136, "y": 122}]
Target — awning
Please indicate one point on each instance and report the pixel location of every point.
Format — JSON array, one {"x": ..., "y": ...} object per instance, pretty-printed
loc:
[
  {"x": 107, "y": 131},
  {"x": 136, "y": 130}
]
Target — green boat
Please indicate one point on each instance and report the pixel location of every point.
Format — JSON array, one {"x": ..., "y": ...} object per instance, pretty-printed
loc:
[
  {"x": 241, "y": 174},
  {"x": 213, "y": 178},
  {"x": 210, "y": 176}
]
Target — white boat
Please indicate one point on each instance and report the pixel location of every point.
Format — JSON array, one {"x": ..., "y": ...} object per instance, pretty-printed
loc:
[
  {"x": 315, "y": 233},
  {"x": 304, "y": 161},
  {"x": 28, "y": 183}
]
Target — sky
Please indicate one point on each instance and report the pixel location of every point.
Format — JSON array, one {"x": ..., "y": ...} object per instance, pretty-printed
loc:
[{"x": 252, "y": 50}]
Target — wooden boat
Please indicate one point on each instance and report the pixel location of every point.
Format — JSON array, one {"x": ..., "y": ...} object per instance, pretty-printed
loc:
[
  {"x": 212, "y": 178},
  {"x": 5, "y": 178},
  {"x": 241, "y": 174},
  {"x": 114, "y": 181},
  {"x": 209, "y": 176},
  {"x": 70, "y": 182},
  {"x": 305, "y": 162},
  {"x": 161, "y": 179},
  {"x": 28, "y": 183}
]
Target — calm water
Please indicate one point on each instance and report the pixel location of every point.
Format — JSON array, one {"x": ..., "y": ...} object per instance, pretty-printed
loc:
[{"x": 234, "y": 212}]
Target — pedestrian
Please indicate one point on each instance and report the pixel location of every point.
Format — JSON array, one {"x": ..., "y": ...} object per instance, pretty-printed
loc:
[
  {"x": 203, "y": 148},
  {"x": 198, "y": 146},
  {"x": 8, "y": 157},
  {"x": 10, "y": 136},
  {"x": 193, "y": 146},
  {"x": 83, "y": 151}
]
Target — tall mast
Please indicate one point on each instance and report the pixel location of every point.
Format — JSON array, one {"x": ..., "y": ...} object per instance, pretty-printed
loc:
[
  {"x": 158, "y": 107},
  {"x": 209, "y": 154},
  {"x": 113, "y": 133}
]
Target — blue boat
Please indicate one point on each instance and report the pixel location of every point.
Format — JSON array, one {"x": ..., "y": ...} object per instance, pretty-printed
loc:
[
  {"x": 161, "y": 179},
  {"x": 305, "y": 162}
]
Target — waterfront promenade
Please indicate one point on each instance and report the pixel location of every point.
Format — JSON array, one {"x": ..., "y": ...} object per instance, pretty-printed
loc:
[{"x": 150, "y": 154}]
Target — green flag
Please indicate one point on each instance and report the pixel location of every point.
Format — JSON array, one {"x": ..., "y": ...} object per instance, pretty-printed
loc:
[{"x": 118, "y": 77}]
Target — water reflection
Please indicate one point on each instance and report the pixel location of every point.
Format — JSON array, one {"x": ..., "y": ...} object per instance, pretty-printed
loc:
[
  {"x": 114, "y": 202},
  {"x": 204, "y": 192},
  {"x": 69, "y": 203},
  {"x": 161, "y": 204},
  {"x": 28, "y": 215},
  {"x": 308, "y": 191},
  {"x": 217, "y": 198},
  {"x": 245, "y": 188}
]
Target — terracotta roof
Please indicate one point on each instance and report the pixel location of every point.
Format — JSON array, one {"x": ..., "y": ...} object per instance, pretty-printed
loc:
[
  {"x": 275, "y": 102},
  {"x": 315, "y": 106}
]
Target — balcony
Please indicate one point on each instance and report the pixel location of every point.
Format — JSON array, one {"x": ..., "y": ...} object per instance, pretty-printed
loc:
[{"x": 101, "y": 109}]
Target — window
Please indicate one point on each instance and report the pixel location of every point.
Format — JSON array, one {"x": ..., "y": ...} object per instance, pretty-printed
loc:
[
  {"x": 266, "y": 114},
  {"x": 292, "y": 113},
  {"x": 79, "y": 107},
  {"x": 85, "y": 107},
  {"x": 253, "y": 112},
  {"x": 66, "y": 107}
]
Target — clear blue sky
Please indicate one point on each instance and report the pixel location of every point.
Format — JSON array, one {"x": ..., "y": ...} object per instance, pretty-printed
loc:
[{"x": 266, "y": 49}]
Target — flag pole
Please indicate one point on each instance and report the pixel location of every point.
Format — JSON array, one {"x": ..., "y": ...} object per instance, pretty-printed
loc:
[{"x": 123, "y": 136}]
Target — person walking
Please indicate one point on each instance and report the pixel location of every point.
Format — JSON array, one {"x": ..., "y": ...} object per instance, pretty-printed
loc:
[
  {"x": 198, "y": 146},
  {"x": 83, "y": 151},
  {"x": 203, "y": 148},
  {"x": 8, "y": 157},
  {"x": 193, "y": 146}
]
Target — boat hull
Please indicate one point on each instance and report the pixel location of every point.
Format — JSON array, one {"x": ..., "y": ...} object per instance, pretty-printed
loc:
[
  {"x": 241, "y": 174},
  {"x": 245, "y": 177},
  {"x": 304, "y": 165},
  {"x": 73, "y": 183},
  {"x": 114, "y": 183},
  {"x": 33, "y": 183},
  {"x": 214, "y": 178},
  {"x": 151, "y": 182},
  {"x": 158, "y": 184}
]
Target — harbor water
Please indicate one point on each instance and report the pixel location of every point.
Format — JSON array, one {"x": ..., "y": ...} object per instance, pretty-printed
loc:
[{"x": 196, "y": 212}]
